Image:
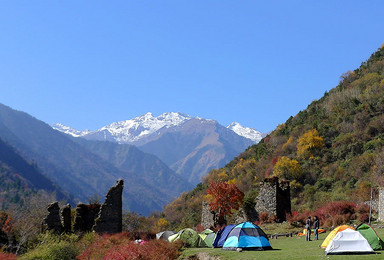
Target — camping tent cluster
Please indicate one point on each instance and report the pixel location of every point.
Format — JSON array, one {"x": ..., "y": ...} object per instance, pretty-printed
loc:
[
  {"x": 246, "y": 236},
  {"x": 347, "y": 240}
]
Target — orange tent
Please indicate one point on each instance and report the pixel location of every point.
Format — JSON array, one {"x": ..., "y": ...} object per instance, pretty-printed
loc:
[
  {"x": 312, "y": 232},
  {"x": 333, "y": 233}
]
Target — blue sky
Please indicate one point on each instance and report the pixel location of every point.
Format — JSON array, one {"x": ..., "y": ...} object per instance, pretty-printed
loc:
[{"x": 87, "y": 64}]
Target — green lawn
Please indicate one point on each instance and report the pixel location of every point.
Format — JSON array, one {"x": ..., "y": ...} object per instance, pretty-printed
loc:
[{"x": 285, "y": 248}]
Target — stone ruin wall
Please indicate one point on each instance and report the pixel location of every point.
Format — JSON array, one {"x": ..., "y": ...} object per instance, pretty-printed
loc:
[
  {"x": 105, "y": 218},
  {"x": 274, "y": 198},
  {"x": 207, "y": 217},
  {"x": 267, "y": 199},
  {"x": 381, "y": 205}
]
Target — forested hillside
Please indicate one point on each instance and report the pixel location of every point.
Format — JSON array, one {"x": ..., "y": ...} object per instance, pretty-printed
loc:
[
  {"x": 19, "y": 179},
  {"x": 331, "y": 151}
]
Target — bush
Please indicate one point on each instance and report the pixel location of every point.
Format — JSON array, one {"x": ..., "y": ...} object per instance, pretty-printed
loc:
[
  {"x": 336, "y": 213},
  {"x": 297, "y": 219},
  {"x": 154, "y": 249},
  {"x": 5, "y": 256},
  {"x": 54, "y": 247},
  {"x": 62, "y": 250},
  {"x": 120, "y": 246}
]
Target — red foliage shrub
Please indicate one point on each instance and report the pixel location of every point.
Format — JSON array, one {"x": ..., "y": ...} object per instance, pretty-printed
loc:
[
  {"x": 5, "y": 256},
  {"x": 336, "y": 213},
  {"x": 119, "y": 246},
  {"x": 298, "y": 219},
  {"x": 199, "y": 228},
  {"x": 263, "y": 216},
  {"x": 362, "y": 208},
  {"x": 154, "y": 249},
  {"x": 363, "y": 218}
]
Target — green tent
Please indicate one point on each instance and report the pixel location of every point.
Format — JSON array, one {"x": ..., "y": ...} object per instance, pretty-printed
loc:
[
  {"x": 189, "y": 237},
  {"x": 371, "y": 236},
  {"x": 206, "y": 238}
]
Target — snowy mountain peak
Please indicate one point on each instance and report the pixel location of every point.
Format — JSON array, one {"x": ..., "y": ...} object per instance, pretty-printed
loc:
[
  {"x": 68, "y": 130},
  {"x": 246, "y": 132},
  {"x": 131, "y": 131}
]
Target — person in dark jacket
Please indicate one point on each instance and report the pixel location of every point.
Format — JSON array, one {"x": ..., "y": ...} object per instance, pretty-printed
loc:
[
  {"x": 308, "y": 226},
  {"x": 316, "y": 226}
]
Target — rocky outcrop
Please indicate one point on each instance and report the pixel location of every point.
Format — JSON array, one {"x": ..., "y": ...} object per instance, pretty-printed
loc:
[
  {"x": 52, "y": 221},
  {"x": 110, "y": 217},
  {"x": 85, "y": 217},
  {"x": 105, "y": 218},
  {"x": 66, "y": 219}
]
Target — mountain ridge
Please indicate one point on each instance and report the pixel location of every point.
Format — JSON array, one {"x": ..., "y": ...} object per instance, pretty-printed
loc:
[
  {"x": 132, "y": 130},
  {"x": 191, "y": 146}
]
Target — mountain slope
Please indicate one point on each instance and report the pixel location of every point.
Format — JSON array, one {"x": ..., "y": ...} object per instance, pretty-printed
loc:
[
  {"x": 18, "y": 178},
  {"x": 130, "y": 159},
  {"x": 333, "y": 150},
  {"x": 189, "y": 146},
  {"x": 195, "y": 147},
  {"x": 73, "y": 167}
]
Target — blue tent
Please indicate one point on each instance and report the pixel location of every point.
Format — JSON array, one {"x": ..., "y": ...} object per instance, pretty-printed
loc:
[
  {"x": 221, "y": 236},
  {"x": 248, "y": 237}
]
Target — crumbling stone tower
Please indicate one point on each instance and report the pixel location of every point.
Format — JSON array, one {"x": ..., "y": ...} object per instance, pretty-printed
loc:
[
  {"x": 274, "y": 198},
  {"x": 207, "y": 217},
  {"x": 52, "y": 221},
  {"x": 381, "y": 205},
  {"x": 110, "y": 218}
]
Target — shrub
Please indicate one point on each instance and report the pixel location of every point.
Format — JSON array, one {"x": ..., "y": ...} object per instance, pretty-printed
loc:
[
  {"x": 54, "y": 247},
  {"x": 336, "y": 213},
  {"x": 263, "y": 217},
  {"x": 120, "y": 246},
  {"x": 297, "y": 219},
  {"x": 5, "y": 256},
  {"x": 154, "y": 249}
]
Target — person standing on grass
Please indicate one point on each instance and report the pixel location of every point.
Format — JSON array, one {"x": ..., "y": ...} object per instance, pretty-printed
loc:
[
  {"x": 308, "y": 225},
  {"x": 316, "y": 226}
]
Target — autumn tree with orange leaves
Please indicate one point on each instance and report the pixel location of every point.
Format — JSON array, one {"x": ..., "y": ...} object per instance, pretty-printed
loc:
[{"x": 224, "y": 197}]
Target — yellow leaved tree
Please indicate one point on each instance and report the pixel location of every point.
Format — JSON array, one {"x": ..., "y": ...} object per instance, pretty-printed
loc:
[
  {"x": 286, "y": 168},
  {"x": 309, "y": 143}
]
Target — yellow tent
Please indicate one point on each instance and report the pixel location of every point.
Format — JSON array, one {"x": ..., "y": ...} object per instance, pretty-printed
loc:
[{"x": 333, "y": 233}]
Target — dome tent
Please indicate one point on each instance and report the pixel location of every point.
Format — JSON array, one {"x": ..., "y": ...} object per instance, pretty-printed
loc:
[
  {"x": 333, "y": 234},
  {"x": 247, "y": 236},
  {"x": 348, "y": 241},
  {"x": 222, "y": 235},
  {"x": 371, "y": 236},
  {"x": 206, "y": 238},
  {"x": 164, "y": 235},
  {"x": 189, "y": 237}
]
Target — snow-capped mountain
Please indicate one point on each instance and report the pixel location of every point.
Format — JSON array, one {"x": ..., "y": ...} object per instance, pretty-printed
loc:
[
  {"x": 128, "y": 131},
  {"x": 246, "y": 132},
  {"x": 190, "y": 146},
  {"x": 133, "y": 130},
  {"x": 70, "y": 131}
]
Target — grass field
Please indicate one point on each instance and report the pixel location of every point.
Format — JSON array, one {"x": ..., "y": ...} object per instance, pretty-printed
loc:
[{"x": 285, "y": 248}]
